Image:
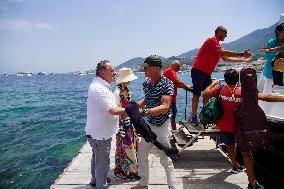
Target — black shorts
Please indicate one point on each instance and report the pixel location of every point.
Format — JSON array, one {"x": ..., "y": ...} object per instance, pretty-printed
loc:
[
  {"x": 200, "y": 81},
  {"x": 174, "y": 110},
  {"x": 226, "y": 139}
]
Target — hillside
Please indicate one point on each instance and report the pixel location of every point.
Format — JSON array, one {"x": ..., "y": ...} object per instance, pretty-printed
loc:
[
  {"x": 253, "y": 41},
  {"x": 132, "y": 63}
]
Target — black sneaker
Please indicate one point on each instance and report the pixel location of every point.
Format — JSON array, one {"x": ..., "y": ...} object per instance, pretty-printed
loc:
[
  {"x": 194, "y": 121},
  {"x": 133, "y": 176},
  {"x": 257, "y": 186},
  {"x": 237, "y": 170}
]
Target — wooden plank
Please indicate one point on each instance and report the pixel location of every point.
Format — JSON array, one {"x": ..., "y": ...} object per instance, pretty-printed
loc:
[
  {"x": 200, "y": 167},
  {"x": 195, "y": 129},
  {"x": 181, "y": 137}
]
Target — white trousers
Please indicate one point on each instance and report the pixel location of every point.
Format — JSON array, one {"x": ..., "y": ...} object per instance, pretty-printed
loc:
[{"x": 163, "y": 136}]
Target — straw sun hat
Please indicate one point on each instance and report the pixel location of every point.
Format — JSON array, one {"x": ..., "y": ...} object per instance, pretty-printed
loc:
[{"x": 125, "y": 75}]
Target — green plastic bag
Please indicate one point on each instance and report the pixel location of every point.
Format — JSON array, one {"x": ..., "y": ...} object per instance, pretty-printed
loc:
[{"x": 212, "y": 111}]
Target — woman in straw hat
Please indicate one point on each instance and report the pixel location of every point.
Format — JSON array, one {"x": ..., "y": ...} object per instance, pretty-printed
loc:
[{"x": 126, "y": 139}]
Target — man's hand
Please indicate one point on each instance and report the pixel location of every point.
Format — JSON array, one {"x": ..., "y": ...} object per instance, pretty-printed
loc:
[
  {"x": 215, "y": 81},
  {"x": 117, "y": 111},
  {"x": 247, "y": 54},
  {"x": 264, "y": 49}
]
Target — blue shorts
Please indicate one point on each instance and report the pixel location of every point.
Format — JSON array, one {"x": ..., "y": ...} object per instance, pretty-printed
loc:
[
  {"x": 226, "y": 139},
  {"x": 174, "y": 110},
  {"x": 200, "y": 81}
]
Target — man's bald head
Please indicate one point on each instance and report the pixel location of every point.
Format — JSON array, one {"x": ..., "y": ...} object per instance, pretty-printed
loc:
[{"x": 176, "y": 65}]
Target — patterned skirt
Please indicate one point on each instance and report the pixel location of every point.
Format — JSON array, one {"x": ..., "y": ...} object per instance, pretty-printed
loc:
[{"x": 127, "y": 143}]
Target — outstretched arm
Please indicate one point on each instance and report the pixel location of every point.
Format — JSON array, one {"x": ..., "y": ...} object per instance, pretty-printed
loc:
[
  {"x": 226, "y": 53},
  {"x": 181, "y": 84},
  {"x": 206, "y": 92},
  {"x": 236, "y": 60},
  {"x": 117, "y": 111},
  {"x": 270, "y": 97},
  {"x": 275, "y": 49}
]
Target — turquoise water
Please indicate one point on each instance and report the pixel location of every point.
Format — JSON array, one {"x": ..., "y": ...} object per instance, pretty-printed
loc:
[{"x": 42, "y": 121}]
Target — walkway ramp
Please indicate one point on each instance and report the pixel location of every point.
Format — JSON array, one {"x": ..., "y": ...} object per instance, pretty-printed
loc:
[{"x": 200, "y": 166}]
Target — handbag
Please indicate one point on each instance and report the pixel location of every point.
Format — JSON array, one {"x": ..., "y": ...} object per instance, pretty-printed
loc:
[
  {"x": 278, "y": 65},
  {"x": 278, "y": 69},
  {"x": 212, "y": 111}
]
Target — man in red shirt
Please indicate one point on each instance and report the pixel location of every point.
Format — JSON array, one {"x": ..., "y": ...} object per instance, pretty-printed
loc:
[
  {"x": 171, "y": 74},
  {"x": 207, "y": 59}
]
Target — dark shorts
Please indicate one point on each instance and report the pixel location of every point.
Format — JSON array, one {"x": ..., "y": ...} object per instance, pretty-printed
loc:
[
  {"x": 200, "y": 81},
  {"x": 226, "y": 139},
  {"x": 174, "y": 110}
]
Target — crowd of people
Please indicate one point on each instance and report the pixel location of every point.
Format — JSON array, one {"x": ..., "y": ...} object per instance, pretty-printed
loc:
[{"x": 106, "y": 110}]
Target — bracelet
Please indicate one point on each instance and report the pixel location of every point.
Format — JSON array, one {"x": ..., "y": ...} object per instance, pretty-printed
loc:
[{"x": 242, "y": 54}]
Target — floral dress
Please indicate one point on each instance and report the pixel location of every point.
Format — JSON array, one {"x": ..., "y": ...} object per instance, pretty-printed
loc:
[{"x": 127, "y": 142}]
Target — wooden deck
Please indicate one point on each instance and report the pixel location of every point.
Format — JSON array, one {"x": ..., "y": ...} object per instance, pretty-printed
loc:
[{"x": 200, "y": 166}]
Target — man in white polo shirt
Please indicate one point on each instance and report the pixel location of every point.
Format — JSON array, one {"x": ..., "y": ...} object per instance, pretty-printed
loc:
[{"x": 102, "y": 121}]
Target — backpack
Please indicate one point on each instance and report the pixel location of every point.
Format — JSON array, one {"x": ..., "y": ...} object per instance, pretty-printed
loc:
[
  {"x": 252, "y": 132},
  {"x": 212, "y": 111}
]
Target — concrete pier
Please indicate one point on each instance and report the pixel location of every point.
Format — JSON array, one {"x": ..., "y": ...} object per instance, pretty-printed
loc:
[{"x": 200, "y": 166}]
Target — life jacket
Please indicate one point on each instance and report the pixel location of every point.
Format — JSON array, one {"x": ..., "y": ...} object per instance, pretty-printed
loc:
[{"x": 252, "y": 132}]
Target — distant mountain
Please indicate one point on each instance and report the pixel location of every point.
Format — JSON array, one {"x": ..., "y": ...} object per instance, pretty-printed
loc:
[
  {"x": 253, "y": 41},
  {"x": 135, "y": 62},
  {"x": 189, "y": 53},
  {"x": 132, "y": 63}
]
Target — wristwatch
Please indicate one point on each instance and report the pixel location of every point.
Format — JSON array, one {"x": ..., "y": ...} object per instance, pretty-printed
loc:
[{"x": 145, "y": 112}]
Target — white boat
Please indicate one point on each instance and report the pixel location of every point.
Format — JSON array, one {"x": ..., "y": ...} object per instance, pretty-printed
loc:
[
  {"x": 28, "y": 74},
  {"x": 41, "y": 73},
  {"x": 21, "y": 74},
  {"x": 82, "y": 73}
]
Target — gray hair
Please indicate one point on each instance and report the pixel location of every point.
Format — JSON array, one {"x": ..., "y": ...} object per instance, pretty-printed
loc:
[{"x": 101, "y": 66}]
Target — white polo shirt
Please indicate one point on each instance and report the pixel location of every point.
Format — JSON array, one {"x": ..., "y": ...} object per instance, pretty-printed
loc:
[{"x": 100, "y": 123}]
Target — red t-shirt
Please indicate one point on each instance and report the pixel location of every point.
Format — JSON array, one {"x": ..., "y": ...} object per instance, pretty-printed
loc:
[
  {"x": 227, "y": 122},
  {"x": 172, "y": 75},
  {"x": 208, "y": 57}
]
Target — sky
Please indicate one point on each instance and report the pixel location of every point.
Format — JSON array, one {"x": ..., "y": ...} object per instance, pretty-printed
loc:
[{"x": 71, "y": 35}]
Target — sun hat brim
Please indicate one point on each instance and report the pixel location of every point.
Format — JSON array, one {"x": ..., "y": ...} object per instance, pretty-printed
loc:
[{"x": 128, "y": 78}]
